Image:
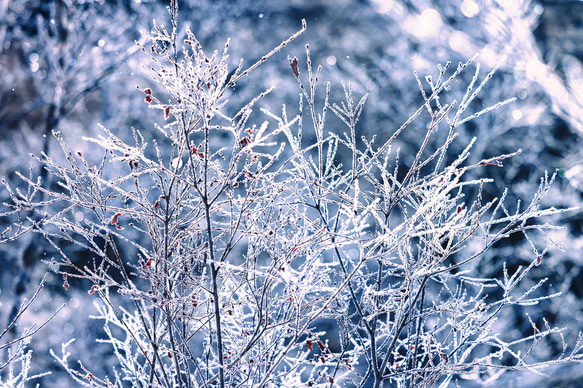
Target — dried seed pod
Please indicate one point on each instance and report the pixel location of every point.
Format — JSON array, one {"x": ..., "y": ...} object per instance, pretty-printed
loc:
[
  {"x": 294, "y": 65},
  {"x": 244, "y": 142}
]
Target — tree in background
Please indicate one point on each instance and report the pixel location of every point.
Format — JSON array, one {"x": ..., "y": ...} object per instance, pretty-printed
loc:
[{"x": 57, "y": 71}]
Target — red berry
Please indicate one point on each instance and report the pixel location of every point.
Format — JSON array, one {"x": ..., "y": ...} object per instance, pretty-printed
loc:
[{"x": 114, "y": 219}]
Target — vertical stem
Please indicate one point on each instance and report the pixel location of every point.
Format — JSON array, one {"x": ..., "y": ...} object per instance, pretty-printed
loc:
[
  {"x": 413, "y": 362},
  {"x": 213, "y": 266},
  {"x": 214, "y": 275},
  {"x": 167, "y": 288}
]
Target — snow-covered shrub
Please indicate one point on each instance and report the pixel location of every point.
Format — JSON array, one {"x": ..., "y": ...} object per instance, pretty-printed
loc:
[{"x": 257, "y": 248}]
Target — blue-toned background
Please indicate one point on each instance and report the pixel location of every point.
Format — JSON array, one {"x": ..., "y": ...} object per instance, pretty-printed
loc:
[{"x": 68, "y": 65}]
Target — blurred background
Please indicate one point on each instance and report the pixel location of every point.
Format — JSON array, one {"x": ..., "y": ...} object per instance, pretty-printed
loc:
[{"x": 68, "y": 65}]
